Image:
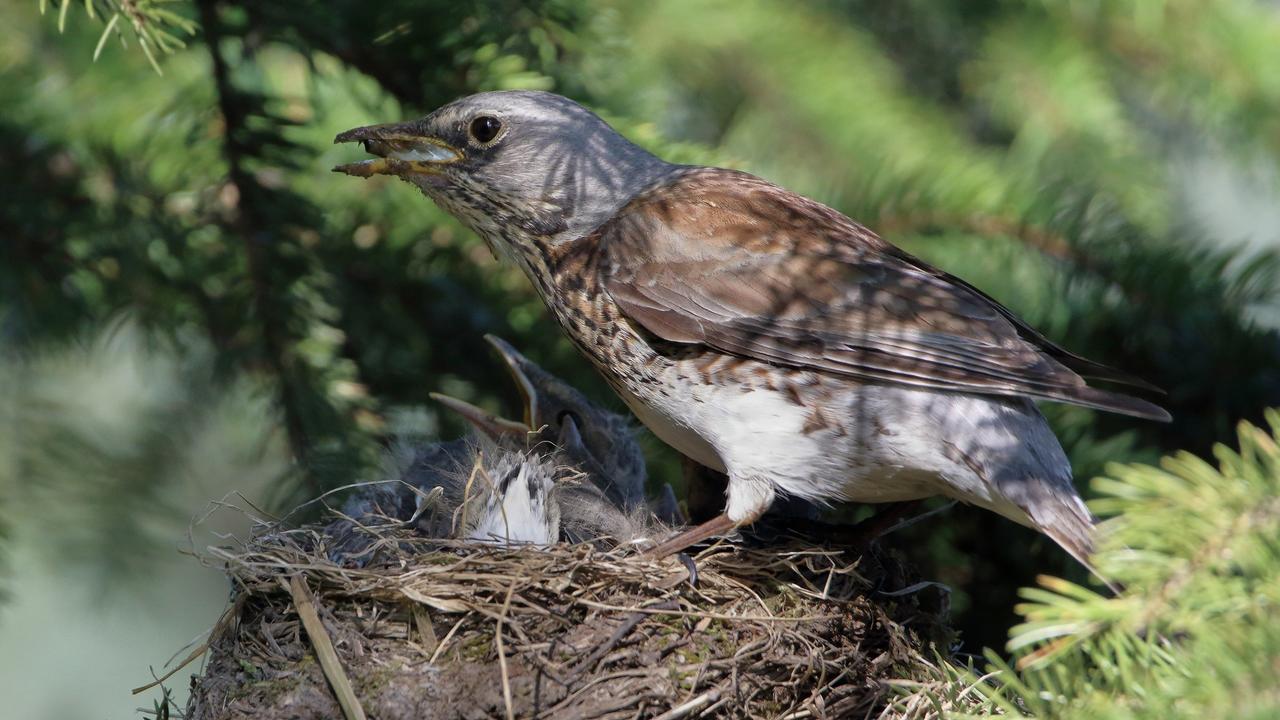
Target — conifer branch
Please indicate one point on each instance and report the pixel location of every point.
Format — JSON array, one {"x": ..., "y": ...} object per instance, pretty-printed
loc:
[
  {"x": 250, "y": 226},
  {"x": 149, "y": 23}
]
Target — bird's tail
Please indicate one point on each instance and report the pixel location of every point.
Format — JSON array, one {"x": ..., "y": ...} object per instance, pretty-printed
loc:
[{"x": 1066, "y": 520}]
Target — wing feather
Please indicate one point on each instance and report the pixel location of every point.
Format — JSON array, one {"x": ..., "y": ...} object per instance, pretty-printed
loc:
[{"x": 749, "y": 269}]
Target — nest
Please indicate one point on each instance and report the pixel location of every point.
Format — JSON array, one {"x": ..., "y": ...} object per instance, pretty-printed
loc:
[{"x": 440, "y": 629}]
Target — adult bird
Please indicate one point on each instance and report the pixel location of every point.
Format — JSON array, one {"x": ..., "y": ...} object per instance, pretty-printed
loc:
[{"x": 760, "y": 333}]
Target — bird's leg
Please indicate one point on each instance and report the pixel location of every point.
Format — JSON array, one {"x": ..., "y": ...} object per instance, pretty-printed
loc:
[
  {"x": 717, "y": 525},
  {"x": 747, "y": 498}
]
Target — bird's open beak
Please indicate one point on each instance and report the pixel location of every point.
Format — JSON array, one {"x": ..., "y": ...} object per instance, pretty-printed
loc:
[
  {"x": 488, "y": 423},
  {"x": 400, "y": 150},
  {"x": 516, "y": 363}
]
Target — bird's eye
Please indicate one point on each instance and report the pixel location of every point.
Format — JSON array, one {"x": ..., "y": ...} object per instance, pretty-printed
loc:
[{"x": 485, "y": 128}]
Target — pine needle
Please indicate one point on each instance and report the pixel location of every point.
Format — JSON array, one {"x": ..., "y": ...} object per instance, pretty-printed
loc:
[{"x": 111, "y": 24}]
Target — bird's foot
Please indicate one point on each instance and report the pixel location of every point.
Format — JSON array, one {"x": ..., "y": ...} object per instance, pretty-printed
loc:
[{"x": 691, "y": 567}]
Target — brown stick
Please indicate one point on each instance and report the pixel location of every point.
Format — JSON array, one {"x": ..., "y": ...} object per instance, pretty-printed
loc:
[
  {"x": 686, "y": 709},
  {"x": 323, "y": 645},
  {"x": 629, "y": 624},
  {"x": 502, "y": 654},
  {"x": 426, "y": 633}
]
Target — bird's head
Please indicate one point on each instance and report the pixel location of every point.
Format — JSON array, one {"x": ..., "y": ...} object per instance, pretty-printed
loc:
[
  {"x": 553, "y": 410},
  {"x": 595, "y": 440},
  {"x": 524, "y": 170}
]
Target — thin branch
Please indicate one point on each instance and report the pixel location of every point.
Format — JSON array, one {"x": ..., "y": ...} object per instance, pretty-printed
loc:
[{"x": 243, "y": 223}]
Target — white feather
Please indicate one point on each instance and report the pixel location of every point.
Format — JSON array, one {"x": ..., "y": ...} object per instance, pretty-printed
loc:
[{"x": 520, "y": 510}]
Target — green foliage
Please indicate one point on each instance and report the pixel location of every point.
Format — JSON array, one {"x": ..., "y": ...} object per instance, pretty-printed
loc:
[
  {"x": 104, "y": 438},
  {"x": 1043, "y": 137},
  {"x": 149, "y": 22},
  {"x": 1051, "y": 153},
  {"x": 1030, "y": 148},
  {"x": 1193, "y": 634}
]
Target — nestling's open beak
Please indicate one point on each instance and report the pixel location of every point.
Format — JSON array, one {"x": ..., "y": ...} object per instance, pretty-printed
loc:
[
  {"x": 516, "y": 363},
  {"x": 402, "y": 152},
  {"x": 489, "y": 424}
]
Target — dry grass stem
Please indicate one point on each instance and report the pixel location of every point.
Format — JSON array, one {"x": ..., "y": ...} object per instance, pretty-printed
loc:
[
  {"x": 305, "y": 605},
  {"x": 783, "y": 627}
]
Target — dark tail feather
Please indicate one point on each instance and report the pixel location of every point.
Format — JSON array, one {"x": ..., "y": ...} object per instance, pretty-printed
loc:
[
  {"x": 1081, "y": 552},
  {"x": 1112, "y": 402},
  {"x": 1070, "y": 524},
  {"x": 1097, "y": 371}
]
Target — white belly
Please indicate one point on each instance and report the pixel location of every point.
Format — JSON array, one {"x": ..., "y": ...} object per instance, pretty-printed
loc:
[
  {"x": 675, "y": 429},
  {"x": 760, "y": 434},
  {"x": 888, "y": 444}
]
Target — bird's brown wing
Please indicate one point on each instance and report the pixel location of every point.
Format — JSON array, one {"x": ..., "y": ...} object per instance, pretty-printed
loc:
[{"x": 729, "y": 261}]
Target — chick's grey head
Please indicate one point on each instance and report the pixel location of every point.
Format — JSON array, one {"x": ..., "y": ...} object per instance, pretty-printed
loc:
[{"x": 523, "y": 169}]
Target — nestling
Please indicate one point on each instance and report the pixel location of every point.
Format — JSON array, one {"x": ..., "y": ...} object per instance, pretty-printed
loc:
[
  {"x": 760, "y": 333},
  {"x": 571, "y": 471}
]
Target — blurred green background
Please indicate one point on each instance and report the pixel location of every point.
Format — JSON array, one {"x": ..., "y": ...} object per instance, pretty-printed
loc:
[{"x": 194, "y": 309}]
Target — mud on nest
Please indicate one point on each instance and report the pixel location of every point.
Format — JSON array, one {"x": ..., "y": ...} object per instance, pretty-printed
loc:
[{"x": 779, "y": 628}]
